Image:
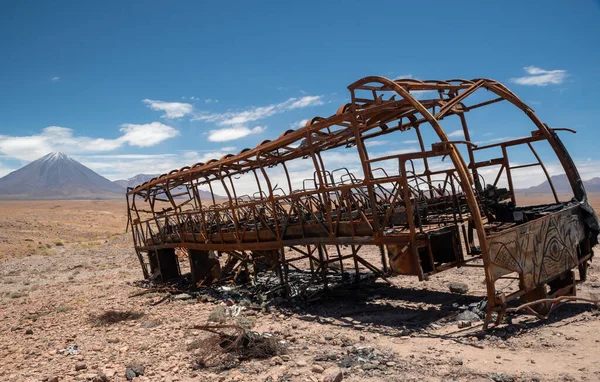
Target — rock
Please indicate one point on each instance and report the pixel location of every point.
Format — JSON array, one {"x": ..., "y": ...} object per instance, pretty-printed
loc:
[
  {"x": 317, "y": 369},
  {"x": 457, "y": 361},
  {"x": 499, "y": 377},
  {"x": 333, "y": 375},
  {"x": 101, "y": 377},
  {"x": 80, "y": 366},
  {"x": 149, "y": 324},
  {"x": 129, "y": 374},
  {"x": 29, "y": 332},
  {"x": 301, "y": 363},
  {"x": 286, "y": 358},
  {"x": 276, "y": 361},
  {"x": 182, "y": 296},
  {"x": 390, "y": 363},
  {"x": 53, "y": 379},
  {"x": 456, "y": 287},
  {"x": 468, "y": 315},
  {"x": 134, "y": 370},
  {"x": 464, "y": 324}
]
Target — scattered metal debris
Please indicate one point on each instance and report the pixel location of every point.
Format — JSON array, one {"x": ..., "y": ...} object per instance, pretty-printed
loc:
[{"x": 420, "y": 213}]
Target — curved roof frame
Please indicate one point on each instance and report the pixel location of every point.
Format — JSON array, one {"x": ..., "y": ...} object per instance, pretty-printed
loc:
[{"x": 376, "y": 112}]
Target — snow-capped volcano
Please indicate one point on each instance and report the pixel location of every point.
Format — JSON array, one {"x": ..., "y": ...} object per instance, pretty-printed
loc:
[{"x": 56, "y": 176}]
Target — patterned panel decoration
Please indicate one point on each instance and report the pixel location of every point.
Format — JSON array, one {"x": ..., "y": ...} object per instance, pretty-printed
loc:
[{"x": 538, "y": 250}]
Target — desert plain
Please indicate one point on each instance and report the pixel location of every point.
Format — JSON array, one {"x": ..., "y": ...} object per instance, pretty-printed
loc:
[{"x": 63, "y": 264}]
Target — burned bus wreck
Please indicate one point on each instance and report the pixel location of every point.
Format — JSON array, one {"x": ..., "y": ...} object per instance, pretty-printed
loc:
[{"x": 323, "y": 201}]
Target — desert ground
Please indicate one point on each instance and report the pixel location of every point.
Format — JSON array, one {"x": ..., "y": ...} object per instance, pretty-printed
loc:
[{"x": 63, "y": 264}]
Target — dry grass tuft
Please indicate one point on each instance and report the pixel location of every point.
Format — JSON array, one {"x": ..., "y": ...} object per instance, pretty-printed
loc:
[
  {"x": 115, "y": 316},
  {"x": 218, "y": 314}
]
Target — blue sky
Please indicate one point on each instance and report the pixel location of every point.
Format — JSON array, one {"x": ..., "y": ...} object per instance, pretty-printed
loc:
[{"x": 132, "y": 87}]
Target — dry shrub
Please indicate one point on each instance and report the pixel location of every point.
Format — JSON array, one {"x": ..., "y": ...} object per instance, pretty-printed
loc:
[
  {"x": 195, "y": 344},
  {"x": 114, "y": 316},
  {"x": 218, "y": 314},
  {"x": 230, "y": 344},
  {"x": 246, "y": 322}
]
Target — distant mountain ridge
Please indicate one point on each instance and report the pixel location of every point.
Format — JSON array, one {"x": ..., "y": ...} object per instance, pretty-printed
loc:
[
  {"x": 140, "y": 179},
  {"x": 561, "y": 184},
  {"x": 56, "y": 176},
  {"x": 135, "y": 181}
]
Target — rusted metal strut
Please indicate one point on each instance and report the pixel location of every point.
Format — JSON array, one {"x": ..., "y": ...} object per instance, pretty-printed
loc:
[{"x": 426, "y": 214}]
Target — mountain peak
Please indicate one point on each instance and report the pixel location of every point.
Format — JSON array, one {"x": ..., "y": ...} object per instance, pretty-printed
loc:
[
  {"x": 56, "y": 176},
  {"x": 54, "y": 156}
]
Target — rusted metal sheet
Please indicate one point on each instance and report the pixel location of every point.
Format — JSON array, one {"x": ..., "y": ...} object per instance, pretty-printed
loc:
[{"x": 411, "y": 213}]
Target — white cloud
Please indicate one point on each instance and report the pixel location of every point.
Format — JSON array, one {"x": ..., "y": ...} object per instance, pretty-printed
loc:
[
  {"x": 125, "y": 166},
  {"x": 258, "y": 113},
  {"x": 55, "y": 79},
  {"x": 249, "y": 115},
  {"x": 410, "y": 141},
  {"x": 457, "y": 134},
  {"x": 370, "y": 143},
  {"x": 403, "y": 76},
  {"x": 171, "y": 109},
  {"x": 210, "y": 100},
  {"x": 305, "y": 101},
  {"x": 299, "y": 124},
  {"x": 494, "y": 140},
  {"x": 57, "y": 138},
  {"x": 424, "y": 94},
  {"x": 540, "y": 77},
  {"x": 235, "y": 132},
  {"x": 146, "y": 135}
]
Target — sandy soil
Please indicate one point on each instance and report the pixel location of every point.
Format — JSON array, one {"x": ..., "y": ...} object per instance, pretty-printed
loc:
[
  {"x": 48, "y": 300},
  {"x": 37, "y": 227}
]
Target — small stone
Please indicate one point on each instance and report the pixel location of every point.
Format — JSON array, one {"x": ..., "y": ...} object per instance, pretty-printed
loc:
[
  {"x": 286, "y": 358},
  {"x": 129, "y": 374},
  {"x": 80, "y": 366},
  {"x": 276, "y": 361},
  {"x": 333, "y": 375},
  {"x": 134, "y": 370},
  {"x": 390, "y": 363},
  {"x": 456, "y": 361},
  {"x": 463, "y": 324},
  {"x": 301, "y": 363},
  {"x": 53, "y": 379},
  {"x": 456, "y": 287},
  {"x": 467, "y": 315},
  {"x": 317, "y": 369},
  {"x": 101, "y": 377},
  {"x": 182, "y": 296},
  {"x": 29, "y": 332}
]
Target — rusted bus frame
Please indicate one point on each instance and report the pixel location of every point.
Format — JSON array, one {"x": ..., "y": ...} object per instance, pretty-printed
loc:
[{"x": 358, "y": 120}]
